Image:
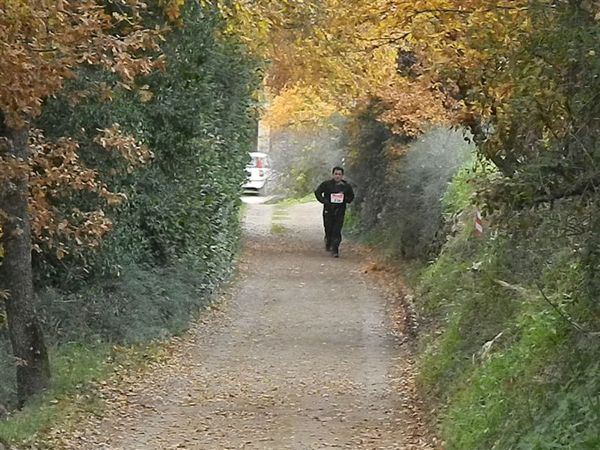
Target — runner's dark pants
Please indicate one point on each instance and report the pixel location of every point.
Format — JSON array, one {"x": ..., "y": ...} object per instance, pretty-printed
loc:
[{"x": 333, "y": 220}]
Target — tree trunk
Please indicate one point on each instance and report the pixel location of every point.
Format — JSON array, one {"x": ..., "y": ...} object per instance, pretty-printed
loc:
[{"x": 31, "y": 357}]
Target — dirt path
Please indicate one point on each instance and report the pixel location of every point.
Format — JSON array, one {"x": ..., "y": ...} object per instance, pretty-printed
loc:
[{"x": 300, "y": 357}]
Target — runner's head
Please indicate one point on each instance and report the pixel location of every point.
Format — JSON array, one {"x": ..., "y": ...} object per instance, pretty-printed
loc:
[{"x": 337, "y": 174}]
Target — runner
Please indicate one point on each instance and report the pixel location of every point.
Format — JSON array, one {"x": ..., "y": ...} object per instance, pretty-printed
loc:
[{"x": 334, "y": 194}]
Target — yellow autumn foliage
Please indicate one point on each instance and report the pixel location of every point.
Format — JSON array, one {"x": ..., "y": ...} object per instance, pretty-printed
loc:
[
  {"x": 298, "y": 107},
  {"x": 345, "y": 51}
]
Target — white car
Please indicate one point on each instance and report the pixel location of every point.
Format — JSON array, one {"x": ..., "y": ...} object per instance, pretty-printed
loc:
[{"x": 258, "y": 172}]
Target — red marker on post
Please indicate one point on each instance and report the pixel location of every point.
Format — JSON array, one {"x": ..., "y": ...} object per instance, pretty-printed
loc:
[{"x": 478, "y": 223}]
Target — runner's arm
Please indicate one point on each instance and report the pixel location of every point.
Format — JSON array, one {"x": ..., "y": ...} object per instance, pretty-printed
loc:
[{"x": 320, "y": 194}]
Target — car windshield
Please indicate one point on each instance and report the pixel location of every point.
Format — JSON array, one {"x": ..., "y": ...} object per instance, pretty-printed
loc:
[{"x": 256, "y": 162}]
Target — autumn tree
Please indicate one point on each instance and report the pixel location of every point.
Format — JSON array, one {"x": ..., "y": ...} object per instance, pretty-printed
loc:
[
  {"x": 44, "y": 42},
  {"x": 519, "y": 74},
  {"x": 330, "y": 56}
]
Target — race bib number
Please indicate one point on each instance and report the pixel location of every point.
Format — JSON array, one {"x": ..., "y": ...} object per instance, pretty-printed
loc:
[{"x": 337, "y": 197}]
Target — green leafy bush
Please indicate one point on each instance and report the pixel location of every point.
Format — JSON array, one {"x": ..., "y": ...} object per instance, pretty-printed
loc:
[{"x": 174, "y": 240}]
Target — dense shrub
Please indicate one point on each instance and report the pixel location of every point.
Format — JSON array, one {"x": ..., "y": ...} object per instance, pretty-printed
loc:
[
  {"x": 174, "y": 239},
  {"x": 508, "y": 320},
  {"x": 508, "y": 357},
  {"x": 199, "y": 128},
  {"x": 401, "y": 182}
]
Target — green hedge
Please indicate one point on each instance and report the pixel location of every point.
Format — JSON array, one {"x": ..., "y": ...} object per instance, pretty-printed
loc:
[{"x": 175, "y": 238}]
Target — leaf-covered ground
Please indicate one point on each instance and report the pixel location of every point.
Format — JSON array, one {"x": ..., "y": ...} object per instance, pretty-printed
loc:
[{"x": 304, "y": 353}]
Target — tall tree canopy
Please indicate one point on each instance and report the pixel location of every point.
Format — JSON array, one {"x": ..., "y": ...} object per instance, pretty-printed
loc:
[{"x": 521, "y": 74}]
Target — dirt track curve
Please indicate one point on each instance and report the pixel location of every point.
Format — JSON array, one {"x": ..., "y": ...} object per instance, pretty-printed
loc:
[{"x": 300, "y": 356}]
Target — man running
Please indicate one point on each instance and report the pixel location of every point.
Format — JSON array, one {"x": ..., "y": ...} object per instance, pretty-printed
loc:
[{"x": 334, "y": 194}]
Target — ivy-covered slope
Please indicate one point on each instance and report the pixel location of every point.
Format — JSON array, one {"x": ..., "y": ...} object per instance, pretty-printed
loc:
[
  {"x": 508, "y": 339},
  {"x": 510, "y": 349}
]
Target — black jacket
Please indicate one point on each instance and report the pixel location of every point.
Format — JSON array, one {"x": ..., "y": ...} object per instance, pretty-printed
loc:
[{"x": 327, "y": 188}]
